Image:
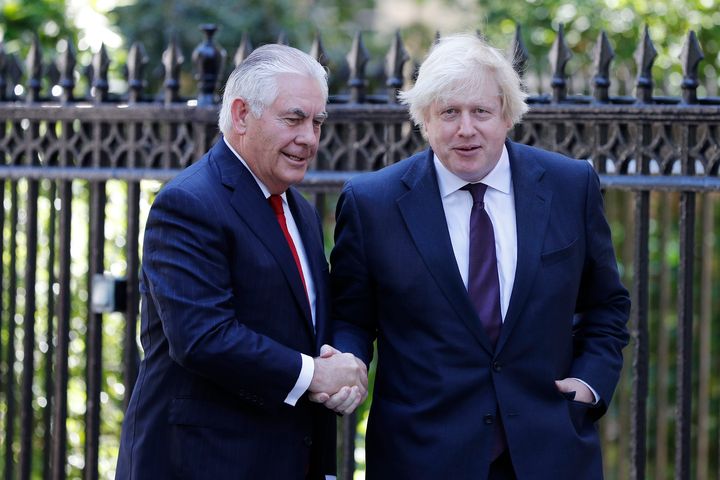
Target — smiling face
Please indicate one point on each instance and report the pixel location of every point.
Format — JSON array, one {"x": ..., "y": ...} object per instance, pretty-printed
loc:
[
  {"x": 279, "y": 146},
  {"x": 467, "y": 131}
]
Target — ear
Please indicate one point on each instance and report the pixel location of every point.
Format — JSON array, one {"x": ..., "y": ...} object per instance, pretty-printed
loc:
[
  {"x": 239, "y": 111},
  {"x": 423, "y": 129}
]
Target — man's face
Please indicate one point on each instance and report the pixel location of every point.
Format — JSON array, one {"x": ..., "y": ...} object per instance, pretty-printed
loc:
[
  {"x": 467, "y": 132},
  {"x": 279, "y": 146}
]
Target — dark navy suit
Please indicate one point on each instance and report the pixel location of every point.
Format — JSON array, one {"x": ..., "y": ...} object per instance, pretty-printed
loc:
[
  {"x": 224, "y": 317},
  {"x": 394, "y": 277}
]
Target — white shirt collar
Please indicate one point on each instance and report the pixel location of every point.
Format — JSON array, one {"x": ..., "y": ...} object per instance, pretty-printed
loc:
[
  {"x": 262, "y": 186},
  {"x": 499, "y": 178}
]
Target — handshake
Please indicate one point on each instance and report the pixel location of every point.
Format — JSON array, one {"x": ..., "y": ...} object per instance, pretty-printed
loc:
[{"x": 340, "y": 380}]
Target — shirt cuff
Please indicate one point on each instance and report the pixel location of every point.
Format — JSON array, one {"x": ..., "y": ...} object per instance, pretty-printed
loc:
[
  {"x": 303, "y": 381},
  {"x": 595, "y": 394}
]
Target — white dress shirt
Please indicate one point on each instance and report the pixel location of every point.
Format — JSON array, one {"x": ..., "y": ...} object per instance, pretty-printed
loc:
[
  {"x": 308, "y": 366},
  {"x": 500, "y": 206}
]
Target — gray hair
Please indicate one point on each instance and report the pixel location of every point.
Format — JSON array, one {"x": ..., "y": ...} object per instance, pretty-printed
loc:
[
  {"x": 458, "y": 64},
  {"x": 255, "y": 79}
]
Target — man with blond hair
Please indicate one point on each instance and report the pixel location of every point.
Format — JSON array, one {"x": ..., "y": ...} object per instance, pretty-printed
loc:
[{"x": 485, "y": 271}]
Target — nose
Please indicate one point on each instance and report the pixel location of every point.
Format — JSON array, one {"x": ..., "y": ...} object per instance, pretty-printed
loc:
[
  {"x": 465, "y": 127},
  {"x": 307, "y": 134}
]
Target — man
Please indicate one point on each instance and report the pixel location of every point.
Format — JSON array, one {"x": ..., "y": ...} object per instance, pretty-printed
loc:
[
  {"x": 485, "y": 270},
  {"x": 235, "y": 296}
]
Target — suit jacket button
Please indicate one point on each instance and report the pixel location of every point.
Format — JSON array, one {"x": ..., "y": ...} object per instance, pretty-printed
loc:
[
  {"x": 496, "y": 366},
  {"x": 488, "y": 419},
  {"x": 307, "y": 441}
]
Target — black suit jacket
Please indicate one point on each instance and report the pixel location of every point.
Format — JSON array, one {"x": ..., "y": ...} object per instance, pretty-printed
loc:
[{"x": 224, "y": 319}]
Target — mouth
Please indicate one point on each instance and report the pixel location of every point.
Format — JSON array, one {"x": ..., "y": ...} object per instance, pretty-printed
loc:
[
  {"x": 296, "y": 158},
  {"x": 467, "y": 149}
]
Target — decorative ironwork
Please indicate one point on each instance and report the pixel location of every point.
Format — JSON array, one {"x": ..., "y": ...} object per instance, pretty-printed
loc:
[
  {"x": 691, "y": 56},
  {"x": 643, "y": 144},
  {"x": 209, "y": 61},
  {"x": 244, "y": 49},
  {"x": 357, "y": 59},
  {"x": 645, "y": 56}
]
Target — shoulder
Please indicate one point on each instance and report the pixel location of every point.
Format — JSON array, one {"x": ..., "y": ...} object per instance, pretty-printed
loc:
[
  {"x": 195, "y": 192},
  {"x": 555, "y": 165},
  {"x": 389, "y": 177},
  {"x": 546, "y": 157},
  {"x": 199, "y": 179}
]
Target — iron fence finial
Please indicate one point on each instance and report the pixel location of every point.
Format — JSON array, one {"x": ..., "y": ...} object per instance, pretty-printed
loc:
[
  {"x": 690, "y": 56},
  {"x": 645, "y": 56},
  {"x": 357, "y": 60},
  {"x": 604, "y": 55},
  {"x": 560, "y": 55},
  {"x": 244, "y": 49},
  {"x": 34, "y": 69}
]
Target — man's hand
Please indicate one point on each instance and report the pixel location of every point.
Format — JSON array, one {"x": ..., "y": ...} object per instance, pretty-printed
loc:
[
  {"x": 340, "y": 380},
  {"x": 582, "y": 392}
]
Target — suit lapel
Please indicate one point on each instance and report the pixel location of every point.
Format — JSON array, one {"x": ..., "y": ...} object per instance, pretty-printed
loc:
[
  {"x": 421, "y": 208},
  {"x": 307, "y": 223},
  {"x": 532, "y": 211},
  {"x": 249, "y": 203}
]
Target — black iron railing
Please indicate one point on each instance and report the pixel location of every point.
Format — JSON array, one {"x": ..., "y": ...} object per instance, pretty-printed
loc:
[{"x": 66, "y": 160}]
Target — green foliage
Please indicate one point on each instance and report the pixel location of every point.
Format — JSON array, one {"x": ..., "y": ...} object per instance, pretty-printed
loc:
[
  {"x": 669, "y": 23},
  {"x": 264, "y": 22},
  {"x": 20, "y": 19}
]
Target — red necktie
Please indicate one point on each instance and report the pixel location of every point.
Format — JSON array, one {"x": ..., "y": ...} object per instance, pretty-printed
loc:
[{"x": 277, "y": 206}]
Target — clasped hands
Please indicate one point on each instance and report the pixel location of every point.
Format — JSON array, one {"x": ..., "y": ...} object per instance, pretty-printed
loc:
[{"x": 340, "y": 380}]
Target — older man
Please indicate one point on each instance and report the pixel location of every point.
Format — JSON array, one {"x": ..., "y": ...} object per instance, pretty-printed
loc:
[{"x": 235, "y": 298}]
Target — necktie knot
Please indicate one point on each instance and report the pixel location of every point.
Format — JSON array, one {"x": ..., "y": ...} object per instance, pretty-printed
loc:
[
  {"x": 477, "y": 190},
  {"x": 276, "y": 204}
]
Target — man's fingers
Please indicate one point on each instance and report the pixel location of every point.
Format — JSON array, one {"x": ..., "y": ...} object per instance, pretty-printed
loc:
[
  {"x": 356, "y": 403},
  {"x": 350, "y": 403},
  {"x": 319, "y": 397},
  {"x": 327, "y": 351},
  {"x": 338, "y": 398}
]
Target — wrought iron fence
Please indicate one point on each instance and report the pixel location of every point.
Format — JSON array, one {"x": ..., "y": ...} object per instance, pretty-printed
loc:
[{"x": 78, "y": 174}]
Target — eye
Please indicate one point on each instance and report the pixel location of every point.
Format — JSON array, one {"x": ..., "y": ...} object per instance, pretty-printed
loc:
[
  {"x": 292, "y": 120},
  {"x": 449, "y": 113},
  {"x": 318, "y": 122},
  {"x": 484, "y": 112}
]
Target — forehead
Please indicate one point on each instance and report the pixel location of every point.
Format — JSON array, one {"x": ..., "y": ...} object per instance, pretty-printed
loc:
[
  {"x": 488, "y": 100},
  {"x": 299, "y": 91},
  {"x": 478, "y": 90}
]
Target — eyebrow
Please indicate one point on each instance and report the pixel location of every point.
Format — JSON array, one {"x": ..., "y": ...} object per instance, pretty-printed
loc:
[{"x": 303, "y": 114}]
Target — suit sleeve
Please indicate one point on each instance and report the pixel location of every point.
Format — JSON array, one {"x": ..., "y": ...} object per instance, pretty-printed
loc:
[
  {"x": 352, "y": 288},
  {"x": 186, "y": 269},
  {"x": 603, "y": 304}
]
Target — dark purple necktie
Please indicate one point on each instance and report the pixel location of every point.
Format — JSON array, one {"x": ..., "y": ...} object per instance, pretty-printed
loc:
[{"x": 483, "y": 284}]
